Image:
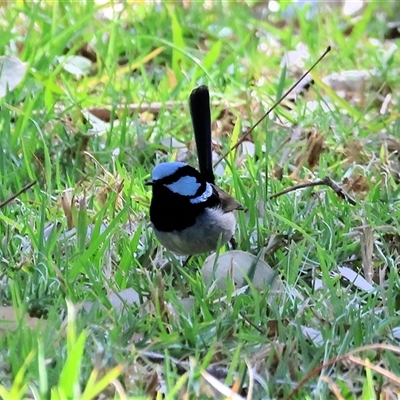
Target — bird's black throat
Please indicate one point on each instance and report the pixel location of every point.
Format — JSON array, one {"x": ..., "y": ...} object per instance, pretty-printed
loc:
[{"x": 171, "y": 211}]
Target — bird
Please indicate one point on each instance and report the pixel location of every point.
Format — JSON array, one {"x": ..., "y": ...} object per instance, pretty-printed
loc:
[{"x": 189, "y": 214}]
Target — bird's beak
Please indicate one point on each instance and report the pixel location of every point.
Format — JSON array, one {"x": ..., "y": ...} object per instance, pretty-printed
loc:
[{"x": 149, "y": 183}]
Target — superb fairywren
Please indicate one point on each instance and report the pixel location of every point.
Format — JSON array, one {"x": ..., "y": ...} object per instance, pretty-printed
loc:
[{"x": 189, "y": 214}]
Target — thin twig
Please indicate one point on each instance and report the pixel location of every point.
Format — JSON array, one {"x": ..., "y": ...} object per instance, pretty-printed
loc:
[
  {"x": 251, "y": 323},
  {"x": 14, "y": 196},
  {"x": 241, "y": 140},
  {"x": 327, "y": 181}
]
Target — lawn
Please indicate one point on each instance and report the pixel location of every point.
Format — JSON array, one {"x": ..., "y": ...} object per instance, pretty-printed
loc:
[{"x": 93, "y": 95}]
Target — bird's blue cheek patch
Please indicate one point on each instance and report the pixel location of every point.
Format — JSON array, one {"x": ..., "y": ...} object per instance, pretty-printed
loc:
[
  {"x": 204, "y": 196},
  {"x": 185, "y": 186}
]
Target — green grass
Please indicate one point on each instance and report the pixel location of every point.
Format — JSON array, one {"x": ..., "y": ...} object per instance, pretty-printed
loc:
[{"x": 159, "y": 53}]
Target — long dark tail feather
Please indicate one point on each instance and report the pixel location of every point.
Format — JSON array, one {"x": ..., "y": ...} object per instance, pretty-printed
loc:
[{"x": 199, "y": 103}]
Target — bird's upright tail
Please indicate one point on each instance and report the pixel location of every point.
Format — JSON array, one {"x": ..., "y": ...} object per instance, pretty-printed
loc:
[{"x": 199, "y": 103}]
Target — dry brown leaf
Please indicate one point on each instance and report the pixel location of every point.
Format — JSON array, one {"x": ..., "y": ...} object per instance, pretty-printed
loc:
[
  {"x": 102, "y": 114},
  {"x": 277, "y": 172},
  {"x": 115, "y": 186},
  {"x": 315, "y": 147},
  {"x": 152, "y": 384},
  {"x": 172, "y": 80},
  {"x": 311, "y": 156},
  {"x": 367, "y": 248},
  {"x": 65, "y": 202},
  {"x": 354, "y": 152},
  {"x": 273, "y": 327},
  {"x": 141, "y": 375},
  {"x": 224, "y": 124},
  {"x": 358, "y": 184}
]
